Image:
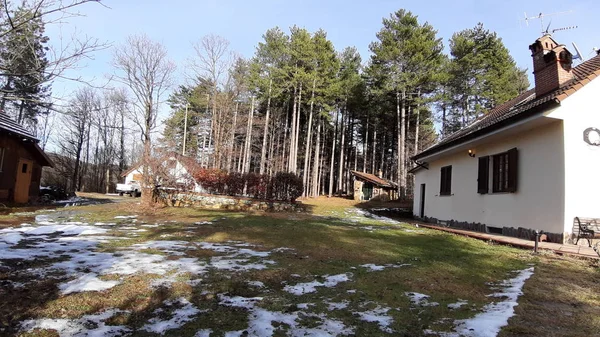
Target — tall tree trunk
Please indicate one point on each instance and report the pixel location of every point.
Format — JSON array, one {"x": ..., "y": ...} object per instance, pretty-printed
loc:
[
  {"x": 342, "y": 162},
  {"x": 401, "y": 111},
  {"x": 122, "y": 144},
  {"x": 270, "y": 163},
  {"x": 374, "y": 152},
  {"x": 292, "y": 135},
  {"x": 308, "y": 141},
  {"x": 333, "y": 140},
  {"x": 366, "y": 146},
  {"x": 263, "y": 154},
  {"x": 315, "y": 177},
  {"x": 320, "y": 181},
  {"x": 230, "y": 162},
  {"x": 297, "y": 128},
  {"x": 247, "y": 145}
]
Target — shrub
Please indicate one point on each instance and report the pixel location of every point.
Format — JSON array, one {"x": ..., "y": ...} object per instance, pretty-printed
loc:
[
  {"x": 235, "y": 183},
  {"x": 257, "y": 185},
  {"x": 283, "y": 186},
  {"x": 286, "y": 186}
]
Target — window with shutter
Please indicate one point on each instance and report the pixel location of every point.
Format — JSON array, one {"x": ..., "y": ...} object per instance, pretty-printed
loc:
[
  {"x": 483, "y": 176},
  {"x": 505, "y": 171},
  {"x": 446, "y": 180}
]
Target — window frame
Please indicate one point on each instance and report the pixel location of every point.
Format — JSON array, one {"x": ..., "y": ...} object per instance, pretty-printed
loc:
[
  {"x": 446, "y": 180},
  {"x": 483, "y": 175},
  {"x": 505, "y": 171}
]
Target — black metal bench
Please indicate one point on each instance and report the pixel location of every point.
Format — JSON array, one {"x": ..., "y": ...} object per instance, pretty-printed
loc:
[{"x": 585, "y": 231}]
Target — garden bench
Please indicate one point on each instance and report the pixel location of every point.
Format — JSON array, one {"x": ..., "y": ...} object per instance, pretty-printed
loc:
[{"x": 586, "y": 228}]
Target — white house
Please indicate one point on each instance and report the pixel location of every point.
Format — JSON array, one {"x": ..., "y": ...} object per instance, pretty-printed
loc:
[
  {"x": 532, "y": 162},
  {"x": 175, "y": 169}
]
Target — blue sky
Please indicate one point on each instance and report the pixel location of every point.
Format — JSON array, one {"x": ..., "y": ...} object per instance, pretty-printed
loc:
[{"x": 177, "y": 23}]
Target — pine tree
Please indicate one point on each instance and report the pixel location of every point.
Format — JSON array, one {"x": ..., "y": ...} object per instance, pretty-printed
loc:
[
  {"x": 23, "y": 62},
  {"x": 483, "y": 74},
  {"x": 405, "y": 59}
]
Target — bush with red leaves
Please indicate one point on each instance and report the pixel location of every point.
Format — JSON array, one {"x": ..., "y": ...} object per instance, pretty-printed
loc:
[{"x": 283, "y": 186}]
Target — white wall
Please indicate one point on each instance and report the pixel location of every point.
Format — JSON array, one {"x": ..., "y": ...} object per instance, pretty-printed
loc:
[
  {"x": 539, "y": 200},
  {"x": 129, "y": 177},
  {"x": 582, "y": 161}
]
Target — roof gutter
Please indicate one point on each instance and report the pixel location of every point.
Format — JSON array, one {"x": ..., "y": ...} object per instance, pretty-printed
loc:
[{"x": 487, "y": 130}]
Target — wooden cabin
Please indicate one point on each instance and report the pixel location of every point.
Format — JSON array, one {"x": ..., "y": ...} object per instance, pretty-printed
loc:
[
  {"x": 21, "y": 162},
  {"x": 368, "y": 186}
]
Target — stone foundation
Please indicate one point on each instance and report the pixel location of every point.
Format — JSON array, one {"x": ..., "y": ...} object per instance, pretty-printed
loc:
[
  {"x": 210, "y": 201},
  {"x": 521, "y": 232}
]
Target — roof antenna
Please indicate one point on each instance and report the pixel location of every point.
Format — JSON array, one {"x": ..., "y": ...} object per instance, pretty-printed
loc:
[
  {"x": 578, "y": 55},
  {"x": 541, "y": 17}
]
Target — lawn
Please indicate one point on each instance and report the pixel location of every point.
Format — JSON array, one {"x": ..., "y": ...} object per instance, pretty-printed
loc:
[{"x": 114, "y": 269}]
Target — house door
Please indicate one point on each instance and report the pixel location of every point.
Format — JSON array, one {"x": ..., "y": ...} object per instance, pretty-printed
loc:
[
  {"x": 24, "y": 170},
  {"x": 367, "y": 191},
  {"x": 422, "y": 205}
]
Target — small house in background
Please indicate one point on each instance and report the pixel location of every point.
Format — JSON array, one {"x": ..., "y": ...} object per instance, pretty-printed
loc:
[
  {"x": 368, "y": 186},
  {"x": 173, "y": 170},
  {"x": 21, "y": 162}
]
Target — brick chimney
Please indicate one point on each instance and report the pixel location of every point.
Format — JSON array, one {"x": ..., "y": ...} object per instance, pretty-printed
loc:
[{"x": 551, "y": 64}]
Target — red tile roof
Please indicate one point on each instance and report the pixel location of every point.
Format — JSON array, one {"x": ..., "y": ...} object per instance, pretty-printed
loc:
[
  {"x": 518, "y": 108},
  {"x": 373, "y": 179}
]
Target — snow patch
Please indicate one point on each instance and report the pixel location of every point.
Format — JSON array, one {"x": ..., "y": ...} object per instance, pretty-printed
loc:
[
  {"x": 378, "y": 315},
  {"x": 179, "y": 317},
  {"x": 374, "y": 267},
  {"x": 457, "y": 305},
  {"x": 495, "y": 315},
  {"x": 126, "y": 216},
  {"x": 89, "y": 282},
  {"x": 420, "y": 299},
  {"x": 311, "y": 287},
  {"x": 86, "y": 326}
]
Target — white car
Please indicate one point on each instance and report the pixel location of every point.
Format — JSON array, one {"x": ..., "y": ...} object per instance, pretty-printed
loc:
[{"x": 133, "y": 189}]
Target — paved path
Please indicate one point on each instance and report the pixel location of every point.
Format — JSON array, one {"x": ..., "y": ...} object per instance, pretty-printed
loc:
[{"x": 569, "y": 249}]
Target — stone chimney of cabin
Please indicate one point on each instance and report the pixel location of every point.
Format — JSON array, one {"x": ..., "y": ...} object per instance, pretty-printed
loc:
[
  {"x": 551, "y": 64},
  {"x": 380, "y": 174}
]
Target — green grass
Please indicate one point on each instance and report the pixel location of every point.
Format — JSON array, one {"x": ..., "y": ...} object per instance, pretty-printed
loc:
[{"x": 444, "y": 266}]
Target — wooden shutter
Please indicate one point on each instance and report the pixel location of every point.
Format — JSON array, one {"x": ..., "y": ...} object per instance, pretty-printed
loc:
[
  {"x": 483, "y": 175},
  {"x": 513, "y": 168},
  {"x": 446, "y": 180}
]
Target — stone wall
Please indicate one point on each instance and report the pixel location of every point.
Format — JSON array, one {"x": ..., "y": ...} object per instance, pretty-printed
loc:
[
  {"x": 521, "y": 232},
  {"x": 211, "y": 201}
]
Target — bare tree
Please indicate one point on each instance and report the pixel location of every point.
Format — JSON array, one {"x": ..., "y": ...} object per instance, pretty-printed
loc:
[
  {"x": 77, "y": 119},
  {"x": 61, "y": 56},
  {"x": 143, "y": 66},
  {"x": 212, "y": 62}
]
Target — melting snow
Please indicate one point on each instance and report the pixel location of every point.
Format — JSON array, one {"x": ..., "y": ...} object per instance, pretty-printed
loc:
[
  {"x": 203, "y": 333},
  {"x": 496, "y": 315},
  {"x": 420, "y": 299},
  {"x": 179, "y": 317},
  {"x": 374, "y": 267},
  {"x": 126, "y": 217},
  {"x": 89, "y": 282},
  {"x": 457, "y": 305},
  {"x": 261, "y": 320},
  {"x": 81, "y": 327},
  {"x": 311, "y": 287},
  {"x": 378, "y": 315}
]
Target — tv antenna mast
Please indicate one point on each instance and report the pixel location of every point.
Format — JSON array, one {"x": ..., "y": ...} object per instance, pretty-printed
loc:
[{"x": 541, "y": 17}]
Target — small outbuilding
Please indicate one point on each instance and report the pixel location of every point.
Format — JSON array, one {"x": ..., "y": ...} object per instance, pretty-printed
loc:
[
  {"x": 21, "y": 162},
  {"x": 368, "y": 186}
]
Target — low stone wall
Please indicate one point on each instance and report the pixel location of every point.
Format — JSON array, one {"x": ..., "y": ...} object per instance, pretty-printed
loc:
[
  {"x": 521, "y": 232},
  {"x": 211, "y": 201}
]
